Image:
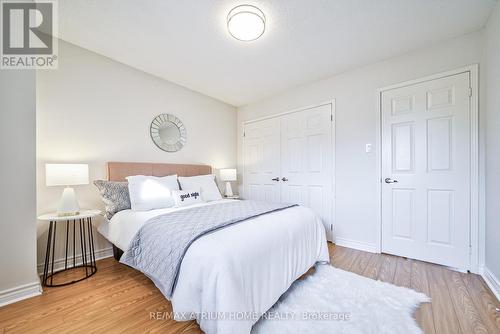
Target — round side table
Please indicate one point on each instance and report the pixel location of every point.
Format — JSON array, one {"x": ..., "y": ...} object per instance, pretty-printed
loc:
[{"x": 81, "y": 222}]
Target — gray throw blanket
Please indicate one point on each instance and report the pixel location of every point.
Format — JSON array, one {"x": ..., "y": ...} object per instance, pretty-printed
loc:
[{"x": 159, "y": 246}]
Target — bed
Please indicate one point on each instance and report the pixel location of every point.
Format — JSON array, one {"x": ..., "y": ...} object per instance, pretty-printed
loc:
[{"x": 228, "y": 278}]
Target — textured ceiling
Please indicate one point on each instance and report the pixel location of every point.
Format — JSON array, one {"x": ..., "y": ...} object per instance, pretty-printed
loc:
[{"x": 187, "y": 42}]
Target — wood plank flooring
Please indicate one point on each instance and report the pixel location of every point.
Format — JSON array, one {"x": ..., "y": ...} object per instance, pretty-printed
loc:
[{"x": 118, "y": 299}]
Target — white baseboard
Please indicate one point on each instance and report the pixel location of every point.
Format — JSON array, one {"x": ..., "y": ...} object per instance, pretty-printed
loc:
[
  {"x": 59, "y": 263},
  {"x": 20, "y": 292},
  {"x": 359, "y": 245},
  {"x": 492, "y": 281}
]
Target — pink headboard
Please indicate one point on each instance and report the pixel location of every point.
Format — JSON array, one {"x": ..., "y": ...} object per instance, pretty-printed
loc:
[{"x": 118, "y": 171}]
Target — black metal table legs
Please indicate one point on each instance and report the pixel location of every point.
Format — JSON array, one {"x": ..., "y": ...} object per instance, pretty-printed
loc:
[{"x": 87, "y": 252}]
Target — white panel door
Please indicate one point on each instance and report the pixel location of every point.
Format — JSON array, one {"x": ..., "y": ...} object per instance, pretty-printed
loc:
[
  {"x": 262, "y": 160},
  {"x": 426, "y": 149},
  {"x": 307, "y": 161}
]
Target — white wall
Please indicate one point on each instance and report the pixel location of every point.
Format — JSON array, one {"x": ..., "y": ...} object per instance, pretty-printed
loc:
[
  {"x": 356, "y": 124},
  {"x": 493, "y": 144},
  {"x": 93, "y": 110},
  {"x": 17, "y": 167}
]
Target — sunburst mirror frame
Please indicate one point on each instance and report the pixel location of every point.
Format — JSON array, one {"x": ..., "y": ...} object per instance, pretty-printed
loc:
[{"x": 159, "y": 123}]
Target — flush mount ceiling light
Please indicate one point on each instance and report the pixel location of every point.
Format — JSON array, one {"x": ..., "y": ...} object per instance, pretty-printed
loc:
[{"x": 246, "y": 22}]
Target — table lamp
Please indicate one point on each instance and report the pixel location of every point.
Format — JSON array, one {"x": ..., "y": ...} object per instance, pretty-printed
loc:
[
  {"x": 228, "y": 175},
  {"x": 67, "y": 175}
]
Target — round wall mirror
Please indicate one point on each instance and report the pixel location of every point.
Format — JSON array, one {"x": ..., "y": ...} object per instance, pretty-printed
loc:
[{"x": 168, "y": 132}]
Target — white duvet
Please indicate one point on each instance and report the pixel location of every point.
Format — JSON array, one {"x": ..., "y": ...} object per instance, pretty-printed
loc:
[{"x": 232, "y": 276}]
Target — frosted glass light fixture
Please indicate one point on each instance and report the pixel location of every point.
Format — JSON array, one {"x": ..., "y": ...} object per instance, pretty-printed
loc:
[{"x": 246, "y": 23}]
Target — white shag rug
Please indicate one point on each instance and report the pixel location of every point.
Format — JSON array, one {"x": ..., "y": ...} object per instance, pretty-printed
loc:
[{"x": 336, "y": 301}]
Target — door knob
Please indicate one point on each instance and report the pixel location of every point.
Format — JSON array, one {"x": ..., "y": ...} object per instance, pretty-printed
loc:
[
  {"x": 389, "y": 180},
  {"x": 284, "y": 179},
  {"x": 275, "y": 179}
]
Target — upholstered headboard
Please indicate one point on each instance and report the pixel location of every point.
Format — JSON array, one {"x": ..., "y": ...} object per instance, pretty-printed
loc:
[{"x": 118, "y": 171}]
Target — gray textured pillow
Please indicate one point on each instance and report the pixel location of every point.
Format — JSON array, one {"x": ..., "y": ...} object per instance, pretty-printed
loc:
[{"x": 114, "y": 195}]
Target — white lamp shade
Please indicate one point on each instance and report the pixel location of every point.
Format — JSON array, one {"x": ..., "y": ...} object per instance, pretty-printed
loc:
[
  {"x": 227, "y": 174},
  {"x": 66, "y": 174}
]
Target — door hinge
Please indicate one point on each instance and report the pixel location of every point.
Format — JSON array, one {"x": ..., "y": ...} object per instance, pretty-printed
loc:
[
  {"x": 244, "y": 134},
  {"x": 470, "y": 91},
  {"x": 331, "y": 118}
]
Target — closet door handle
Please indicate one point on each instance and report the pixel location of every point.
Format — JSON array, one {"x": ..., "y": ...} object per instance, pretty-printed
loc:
[
  {"x": 284, "y": 179},
  {"x": 275, "y": 179}
]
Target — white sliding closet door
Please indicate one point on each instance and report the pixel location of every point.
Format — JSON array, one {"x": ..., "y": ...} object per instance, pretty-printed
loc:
[
  {"x": 289, "y": 158},
  {"x": 262, "y": 160},
  {"x": 307, "y": 160}
]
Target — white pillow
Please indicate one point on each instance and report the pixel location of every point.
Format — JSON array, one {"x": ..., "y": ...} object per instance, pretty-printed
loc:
[
  {"x": 186, "y": 197},
  {"x": 206, "y": 183},
  {"x": 151, "y": 192}
]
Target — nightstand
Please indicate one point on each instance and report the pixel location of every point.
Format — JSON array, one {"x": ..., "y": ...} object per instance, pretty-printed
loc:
[{"x": 78, "y": 227}]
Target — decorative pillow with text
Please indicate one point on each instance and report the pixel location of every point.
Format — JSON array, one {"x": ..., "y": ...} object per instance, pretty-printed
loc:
[
  {"x": 206, "y": 184},
  {"x": 187, "y": 197}
]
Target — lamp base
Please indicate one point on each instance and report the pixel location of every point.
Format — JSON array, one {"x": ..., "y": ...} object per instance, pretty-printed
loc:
[
  {"x": 68, "y": 214},
  {"x": 229, "y": 190},
  {"x": 68, "y": 205}
]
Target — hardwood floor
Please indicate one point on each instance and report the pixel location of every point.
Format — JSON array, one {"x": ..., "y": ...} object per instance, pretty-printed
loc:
[{"x": 120, "y": 300}]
